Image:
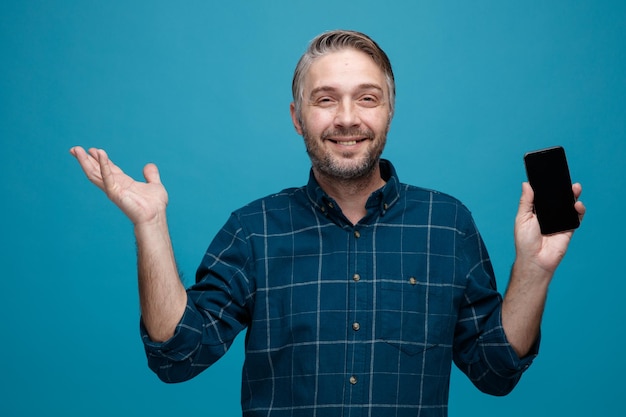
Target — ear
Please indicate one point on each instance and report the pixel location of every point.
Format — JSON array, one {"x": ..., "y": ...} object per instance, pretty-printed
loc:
[{"x": 294, "y": 118}]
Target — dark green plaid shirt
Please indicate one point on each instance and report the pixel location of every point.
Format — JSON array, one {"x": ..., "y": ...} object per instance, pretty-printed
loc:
[{"x": 342, "y": 319}]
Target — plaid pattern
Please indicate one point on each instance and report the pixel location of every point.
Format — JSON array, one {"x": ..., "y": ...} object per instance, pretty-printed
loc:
[{"x": 342, "y": 319}]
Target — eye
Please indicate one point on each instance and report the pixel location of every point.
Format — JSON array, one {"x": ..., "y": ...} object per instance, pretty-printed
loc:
[
  {"x": 324, "y": 101},
  {"x": 369, "y": 100}
]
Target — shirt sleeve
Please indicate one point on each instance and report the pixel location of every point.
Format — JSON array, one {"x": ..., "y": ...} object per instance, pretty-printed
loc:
[
  {"x": 216, "y": 311},
  {"x": 481, "y": 349}
]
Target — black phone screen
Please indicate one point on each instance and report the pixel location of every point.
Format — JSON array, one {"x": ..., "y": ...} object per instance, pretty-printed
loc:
[{"x": 548, "y": 175}]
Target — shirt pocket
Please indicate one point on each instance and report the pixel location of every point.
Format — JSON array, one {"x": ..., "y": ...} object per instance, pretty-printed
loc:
[{"x": 414, "y": 315}]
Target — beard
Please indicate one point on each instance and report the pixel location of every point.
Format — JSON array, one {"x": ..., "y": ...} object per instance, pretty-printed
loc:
[{"x": 346, "y": 166}]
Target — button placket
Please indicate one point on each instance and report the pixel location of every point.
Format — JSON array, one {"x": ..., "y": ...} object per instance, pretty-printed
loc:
[{"x": 359, "y": 320}]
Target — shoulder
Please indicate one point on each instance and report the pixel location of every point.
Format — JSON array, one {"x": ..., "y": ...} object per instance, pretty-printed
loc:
[
  {"x": 287, "y": 198},
  {"x": 442, "y": 208},
  {"x": 415, "y": 193}
]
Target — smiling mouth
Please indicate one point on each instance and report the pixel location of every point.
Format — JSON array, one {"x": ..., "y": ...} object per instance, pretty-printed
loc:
[{"x": 347, "y": 142}]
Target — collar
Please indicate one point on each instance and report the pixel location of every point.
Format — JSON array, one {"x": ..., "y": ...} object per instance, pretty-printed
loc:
[{"x": 379, "y": 202}]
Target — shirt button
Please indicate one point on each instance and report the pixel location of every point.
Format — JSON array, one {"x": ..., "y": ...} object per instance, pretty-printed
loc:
[
  {"x": 412, "y": 281},
  {"x": 356, "y": 277},
  {"x": 357, "y": 234},
  {"x": 356, "y": 326},
  {"x": 353, "y": 380}
]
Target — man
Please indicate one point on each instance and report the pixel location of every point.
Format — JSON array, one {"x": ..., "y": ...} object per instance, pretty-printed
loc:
[{"x": 357, "y": 291}]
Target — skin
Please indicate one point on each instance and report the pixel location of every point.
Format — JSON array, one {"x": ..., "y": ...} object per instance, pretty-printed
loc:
[
  {"x": 345, "y": 119},
  {"x": 536, "y": 259},
  {"x": 161, "y": 294}
]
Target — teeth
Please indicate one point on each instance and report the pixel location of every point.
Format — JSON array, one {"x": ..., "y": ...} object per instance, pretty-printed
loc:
[{"x": 346, "y": 142}]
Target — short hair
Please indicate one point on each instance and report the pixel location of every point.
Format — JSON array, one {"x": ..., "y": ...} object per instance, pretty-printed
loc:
[{"x": 337, "y": 40}]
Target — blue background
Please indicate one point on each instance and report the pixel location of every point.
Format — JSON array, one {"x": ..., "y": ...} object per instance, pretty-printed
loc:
[{"x": 203, "y": 90}]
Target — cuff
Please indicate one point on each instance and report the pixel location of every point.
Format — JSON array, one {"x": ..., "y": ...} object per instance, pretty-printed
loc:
[
  {"x": 500, "y": 356},
  {"x": 186, "y": 339}
]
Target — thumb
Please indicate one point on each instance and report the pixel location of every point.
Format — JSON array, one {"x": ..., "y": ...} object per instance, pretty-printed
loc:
[
  {"x": 151, "y": 173},
  {"x": 526, "y": 202}
]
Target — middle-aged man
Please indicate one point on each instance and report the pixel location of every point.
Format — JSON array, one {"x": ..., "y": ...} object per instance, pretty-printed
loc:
[{"x": 357, "y": 291}]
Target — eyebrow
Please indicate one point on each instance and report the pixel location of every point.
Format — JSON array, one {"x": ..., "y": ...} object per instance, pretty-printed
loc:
[{"x": 361, "y": 87}]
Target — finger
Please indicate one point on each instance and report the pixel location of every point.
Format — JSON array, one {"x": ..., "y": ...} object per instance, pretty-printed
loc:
[
  {"x": 579, "y": 206},
  {"x": 151, "y": 174},
  {"x": 581, "y": 209},
  {"x": 105, "y": 168},
  {"x": 79, "y": 153},
  {"x": 89, "y": 165},
  {"x": 75, "y": 149},
  {"x": 94, "y": 153},
  {"x": 527, "y": 198},
  {"x": 525, "y": 211}
]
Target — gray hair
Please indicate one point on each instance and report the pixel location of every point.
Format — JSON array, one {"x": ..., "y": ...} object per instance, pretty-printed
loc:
[{"x": 337, "y": 40}]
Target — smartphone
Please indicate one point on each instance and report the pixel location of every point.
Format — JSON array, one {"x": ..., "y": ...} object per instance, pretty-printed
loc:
[{"x": 549, "y": 177}]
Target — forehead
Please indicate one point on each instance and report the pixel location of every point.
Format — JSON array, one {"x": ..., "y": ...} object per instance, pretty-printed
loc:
[{"x": 344, "y": 69}]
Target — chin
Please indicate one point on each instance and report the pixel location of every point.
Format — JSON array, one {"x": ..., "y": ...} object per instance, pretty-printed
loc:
[{"x": 346, "y": 170}]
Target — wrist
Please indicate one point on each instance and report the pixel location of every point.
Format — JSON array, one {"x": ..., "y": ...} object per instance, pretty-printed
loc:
[
  {"x": 156, "y": 226},
  {"x": 529, "y": 272}
]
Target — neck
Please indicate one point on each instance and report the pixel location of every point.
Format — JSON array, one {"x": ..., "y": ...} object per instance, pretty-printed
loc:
[{"x": 351, "y": 194}]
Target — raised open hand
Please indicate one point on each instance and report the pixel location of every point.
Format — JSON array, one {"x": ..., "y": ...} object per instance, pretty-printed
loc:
[{"x": 142, "y": 202}]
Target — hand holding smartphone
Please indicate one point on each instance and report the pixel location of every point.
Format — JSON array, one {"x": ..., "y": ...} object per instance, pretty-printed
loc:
[{"x": 549, "y": 177}]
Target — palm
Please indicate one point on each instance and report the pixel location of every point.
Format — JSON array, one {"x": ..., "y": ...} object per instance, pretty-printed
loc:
[
  {"x": 140, "y": 201},
  {"x": 545, "y": 251}
]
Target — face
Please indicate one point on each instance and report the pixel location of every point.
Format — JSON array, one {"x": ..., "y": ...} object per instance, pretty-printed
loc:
[{"x": 345, "y": 114}]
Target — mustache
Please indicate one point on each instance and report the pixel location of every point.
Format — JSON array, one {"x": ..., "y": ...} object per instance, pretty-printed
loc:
[{"x": 348, "y": 132}]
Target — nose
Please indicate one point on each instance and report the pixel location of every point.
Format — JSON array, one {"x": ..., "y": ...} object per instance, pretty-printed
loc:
[{"x": 347, "y": 114}]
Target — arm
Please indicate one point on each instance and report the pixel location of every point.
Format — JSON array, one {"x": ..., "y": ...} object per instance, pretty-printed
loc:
[
  {"x": 161, "y": 293},
  {"x": 537, "y": 257},
  {"x": 481, "y": 349},
  {"x": 218, "y": 308}
]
